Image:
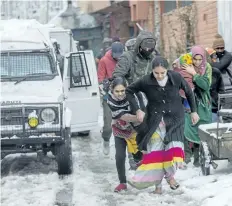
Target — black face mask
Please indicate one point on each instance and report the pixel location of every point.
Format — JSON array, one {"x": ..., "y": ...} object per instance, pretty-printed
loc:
[
  {"x": 220, "y": 54},
  {"x": 146, "y": 54}
]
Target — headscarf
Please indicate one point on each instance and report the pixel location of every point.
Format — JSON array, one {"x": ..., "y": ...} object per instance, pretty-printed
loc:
[{"x": 198, "y": 50}]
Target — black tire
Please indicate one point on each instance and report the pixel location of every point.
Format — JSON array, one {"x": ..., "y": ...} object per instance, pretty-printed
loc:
[
  {"x": 84, "y": 133},
  {"x": 64, "y": 154},
  {"x": 204, "y": 158},
  {"x": 2, "y": 155}
]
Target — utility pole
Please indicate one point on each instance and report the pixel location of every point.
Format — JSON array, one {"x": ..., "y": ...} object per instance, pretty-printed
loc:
[
  {"x": 8, "y": 9},
  {"x": 47, "y": 11}
]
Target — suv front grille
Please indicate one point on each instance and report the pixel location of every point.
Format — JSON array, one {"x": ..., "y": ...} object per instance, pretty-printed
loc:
[
  {"x": 12, "y": 116},
  {"x": 14, "y": 120}
]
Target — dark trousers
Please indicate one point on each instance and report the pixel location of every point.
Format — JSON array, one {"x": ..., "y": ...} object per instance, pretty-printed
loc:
[
  {"x": 188, "y": 152},
  {"x": 107, "y": 129},
  {"x": 120, "y": 156}
]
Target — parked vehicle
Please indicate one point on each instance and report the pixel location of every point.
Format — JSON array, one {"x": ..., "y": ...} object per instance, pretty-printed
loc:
[
  {"x": 82, "y": 99},
  {"x": 82, "y": 94},
  {"x": 35, "y": 113}
]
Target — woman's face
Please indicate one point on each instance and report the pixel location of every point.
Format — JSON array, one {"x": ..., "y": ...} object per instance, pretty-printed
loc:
[
  {"x": 159, "y": 73},
  {"x": 119, "y": 92},
  {"x": 197, "y": 60}
]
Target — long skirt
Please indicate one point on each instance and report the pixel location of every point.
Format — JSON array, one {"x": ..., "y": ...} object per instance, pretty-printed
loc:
[{"x": 161, "y": 161}]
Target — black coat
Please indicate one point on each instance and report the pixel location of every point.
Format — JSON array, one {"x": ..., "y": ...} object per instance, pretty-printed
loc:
[
  {"x": 224, "y": 66},
  {"x": 162, "y": 102},
  {"x": 217, "y": 87}
]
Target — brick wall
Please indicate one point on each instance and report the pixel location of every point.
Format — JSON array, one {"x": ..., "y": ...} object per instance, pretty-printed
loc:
[
  {"x": 142, "y": 12},
  {"x": 173, "y": 28},
  {"x": 173, "y": 33},
  {"x": 207, "y": 22}
]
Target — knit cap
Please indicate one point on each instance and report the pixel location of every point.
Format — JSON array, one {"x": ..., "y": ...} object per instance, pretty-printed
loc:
[{"x": 218, "y": 42}]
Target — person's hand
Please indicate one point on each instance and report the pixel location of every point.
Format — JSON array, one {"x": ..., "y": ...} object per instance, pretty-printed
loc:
[
  {"x": 144, "y": 152},
  {"x": 102, "y": 90},
  {"x": 140, "y": 115},
  {"x": 189, "y": 68},
  {"x": 195, "y": 118}
]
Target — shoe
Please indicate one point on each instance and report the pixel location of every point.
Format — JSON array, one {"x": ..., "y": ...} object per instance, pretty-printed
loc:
[
  {"x": 106, "y": 147},
  {"x": 120, "y": 187},
  {"x": 173, "y": 184}
]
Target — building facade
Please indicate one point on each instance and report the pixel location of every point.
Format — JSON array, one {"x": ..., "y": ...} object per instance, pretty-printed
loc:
[{"x": 40, "y": 10}]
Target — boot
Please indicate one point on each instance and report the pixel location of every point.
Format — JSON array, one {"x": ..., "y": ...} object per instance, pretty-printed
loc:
[{"x": 196, "y": 155}]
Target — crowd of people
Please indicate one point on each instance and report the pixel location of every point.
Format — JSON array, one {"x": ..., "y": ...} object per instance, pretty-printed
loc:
[{"x": 154, "y": 108}]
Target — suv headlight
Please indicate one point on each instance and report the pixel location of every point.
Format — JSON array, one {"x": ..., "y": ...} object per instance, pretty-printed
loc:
[{"x": 48, "y": 115}]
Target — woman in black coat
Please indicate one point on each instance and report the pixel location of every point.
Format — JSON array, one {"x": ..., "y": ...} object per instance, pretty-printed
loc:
[{"x": 161, "y": 132}]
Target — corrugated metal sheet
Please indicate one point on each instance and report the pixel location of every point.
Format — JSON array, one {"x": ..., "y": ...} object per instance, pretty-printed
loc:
[{"x": 224, "y": 9}]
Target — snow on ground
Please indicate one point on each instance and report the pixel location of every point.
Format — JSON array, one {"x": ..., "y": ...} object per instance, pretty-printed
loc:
[{"x": 29, "y": 180}]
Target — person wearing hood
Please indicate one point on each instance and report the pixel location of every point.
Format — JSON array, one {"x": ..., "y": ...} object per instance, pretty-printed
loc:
[
  {"x": 136, "y": 63},
  {"x": 106, "y": 67},
  {"x": 130, "y": 44}
]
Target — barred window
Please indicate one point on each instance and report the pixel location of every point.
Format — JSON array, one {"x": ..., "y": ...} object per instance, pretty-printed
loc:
[
  {"x": 79, "y": 70},
  {"x": 22, "y": 64}
]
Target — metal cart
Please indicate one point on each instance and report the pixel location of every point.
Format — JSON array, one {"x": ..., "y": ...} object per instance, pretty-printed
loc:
[{"x": 216, "y": 138}]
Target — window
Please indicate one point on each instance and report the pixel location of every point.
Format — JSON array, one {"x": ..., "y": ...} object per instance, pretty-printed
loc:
[
  {"x": 79, "y": 70},
  {"x": 185, "y": 3},
  {"x": 169, "y": 6},
  {"x": 22, "y": 64}
]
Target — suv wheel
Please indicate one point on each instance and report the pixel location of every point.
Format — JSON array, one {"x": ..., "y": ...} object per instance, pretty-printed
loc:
[
  {"x": 84, "y": 133},
  {"x": 64, "y": 154}
]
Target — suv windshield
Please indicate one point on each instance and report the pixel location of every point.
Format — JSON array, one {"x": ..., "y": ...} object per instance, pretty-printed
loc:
[{"x": 24, "y": 64}]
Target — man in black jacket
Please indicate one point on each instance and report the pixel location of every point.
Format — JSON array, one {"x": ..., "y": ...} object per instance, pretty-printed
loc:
[
  {"x": 223, "y": 64},
  {"x": 224, "y": 60},
  {"x": 217, "y": 85}
]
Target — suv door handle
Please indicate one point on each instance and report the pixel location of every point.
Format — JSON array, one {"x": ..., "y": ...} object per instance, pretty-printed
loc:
[{"x": 94, "y": 93}]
